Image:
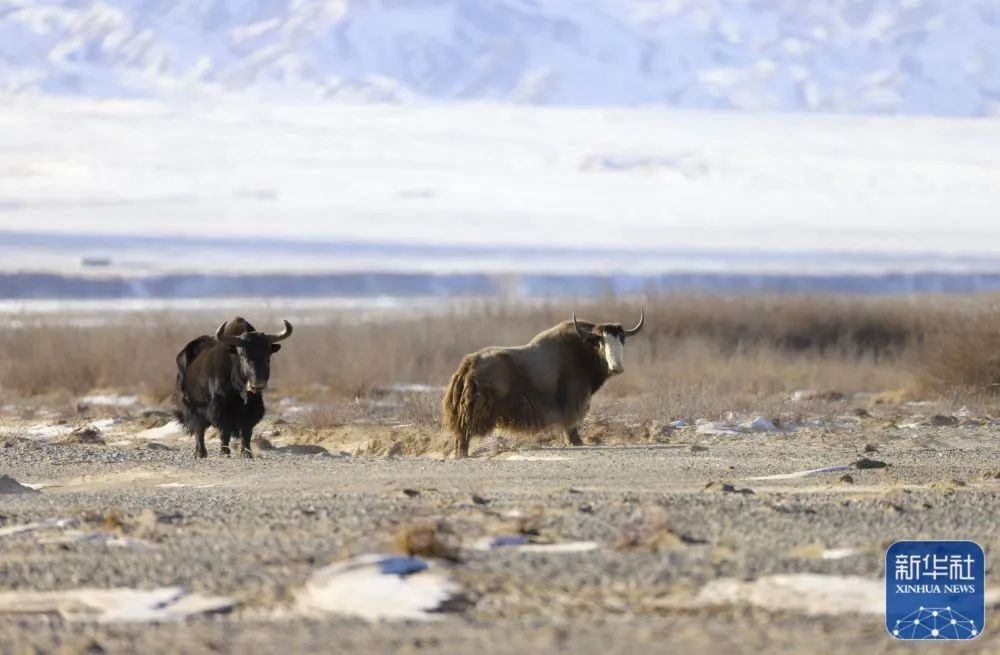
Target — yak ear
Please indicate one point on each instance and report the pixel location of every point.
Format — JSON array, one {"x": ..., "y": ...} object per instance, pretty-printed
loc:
[{"x": 275, "y": 347}]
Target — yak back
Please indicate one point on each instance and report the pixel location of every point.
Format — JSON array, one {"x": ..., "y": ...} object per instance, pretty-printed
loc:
[{"x": 552, "y": 357}]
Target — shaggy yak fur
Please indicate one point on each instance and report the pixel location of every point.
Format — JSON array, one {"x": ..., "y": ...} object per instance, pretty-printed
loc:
[
  {"x": 220, "y": 383},
  {"x": 526, "y": 389}
]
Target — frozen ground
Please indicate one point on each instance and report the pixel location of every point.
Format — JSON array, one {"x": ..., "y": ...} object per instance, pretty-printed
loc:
[
  {"x": 486, "y": 188},
  {"x": 691, "y": 544}
]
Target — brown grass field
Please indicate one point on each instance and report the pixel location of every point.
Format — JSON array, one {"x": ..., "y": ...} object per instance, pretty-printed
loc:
[{"x": 697, "y": 357}]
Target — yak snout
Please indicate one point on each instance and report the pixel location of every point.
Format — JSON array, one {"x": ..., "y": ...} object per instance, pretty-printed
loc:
[{"x": 614, "y": 353}]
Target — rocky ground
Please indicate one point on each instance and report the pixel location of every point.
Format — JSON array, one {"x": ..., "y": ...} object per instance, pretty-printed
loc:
[{"x": 618, "y": 547}]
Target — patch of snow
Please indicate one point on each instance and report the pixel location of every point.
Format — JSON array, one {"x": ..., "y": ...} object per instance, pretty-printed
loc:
[
  {"x": 122, "y": 605},
  {"x": 525, "y": 544},
  {"x": 840, "y": 553},
  {"x": 46, "y": 524},
  {"x": 517, "y": 457},
  {"x": 110, "y": 400},
  {"x": 106, "y": 538},
  {"x": 760, "y": 424},
  {"x": 171, "y": 429},
  {"x": 47, "y": 431},
  {"x": 412, "y": 388},
  {"x": 802, "y": 474},
  {"x": 717, "y": 428},
  {"x": 812, "y": 594},
  {"x": 377, "y": 588}
]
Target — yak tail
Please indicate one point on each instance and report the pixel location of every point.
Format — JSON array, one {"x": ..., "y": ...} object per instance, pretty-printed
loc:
[{"x": 468, "y": 409}]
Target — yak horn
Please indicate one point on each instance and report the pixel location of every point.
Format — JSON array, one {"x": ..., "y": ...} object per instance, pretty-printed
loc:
[
  {"x": 284, "y": 334},
  {"x": 638, "y": 326},
  {"x": 222, "y": 338},
  {"x": 586, "y": 334},
  {"x": 226, "y": 339}
]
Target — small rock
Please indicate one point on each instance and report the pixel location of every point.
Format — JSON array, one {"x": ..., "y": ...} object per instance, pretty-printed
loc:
[
  {"x": 725, "y": 487},
  {"x": 493, "y": 445},
  {"x": 155, "y": 445},
  {"x": 395, "y": 450},
  {"x": 410, "y": 493},
  {"x": 861, "y": 412},
  {"x": 11, "y": 441},
  {"x": 479, "y": 500},
  {"x": 948, "y": 486},
  {"x": 302, "y": 449},
  {"x": 659, "y": 432},
  {"x": 695, "y": 448},
  {"x": 847, "y": 478},
  {"x": 147, "y": 520},
  {"x": 866, "y": 463},
  {"x": 82, "y": 646},
  {"x": 263, "y": 443},
  {"x": 680, "y": 423},
  {"x": 88, "y": 435},
  {"x": 425, "y": 540},
  {"x": 941, "y": 421},
  {"x": 9, "y": 485},
  {"x": 870, "y": 448}
]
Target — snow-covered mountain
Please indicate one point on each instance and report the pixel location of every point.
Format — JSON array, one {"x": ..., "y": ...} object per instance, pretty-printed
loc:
[{"x": 869, "y": 56}]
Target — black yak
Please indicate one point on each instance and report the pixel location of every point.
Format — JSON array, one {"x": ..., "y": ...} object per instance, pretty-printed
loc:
[
  {"x": 526, "y": 389},
  {"x": 221, "y": 380}
]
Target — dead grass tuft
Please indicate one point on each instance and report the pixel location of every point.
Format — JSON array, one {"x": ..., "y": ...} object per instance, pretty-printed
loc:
[
  {"x": 963, "y": 355},
  {"x": 431, "y": 539}
]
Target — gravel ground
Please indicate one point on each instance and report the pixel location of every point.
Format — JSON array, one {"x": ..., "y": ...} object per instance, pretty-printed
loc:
[{"x": 265, "y": 525}]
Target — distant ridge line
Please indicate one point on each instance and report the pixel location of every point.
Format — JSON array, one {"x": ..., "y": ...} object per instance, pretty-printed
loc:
[{"x": 52, "y": 286}]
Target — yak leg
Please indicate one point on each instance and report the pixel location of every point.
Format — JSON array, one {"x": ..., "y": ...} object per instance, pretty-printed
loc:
[
  {"x": 199, "y": 444},
  {"x": 224, "y": 436},
  {"x": 245, "y": 451},
  {"x": 573, "y": 435},
  {"x": 462, "y": 445}
]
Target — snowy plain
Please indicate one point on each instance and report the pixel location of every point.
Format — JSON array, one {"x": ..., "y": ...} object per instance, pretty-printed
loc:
[{"x": 138, "y": 188}]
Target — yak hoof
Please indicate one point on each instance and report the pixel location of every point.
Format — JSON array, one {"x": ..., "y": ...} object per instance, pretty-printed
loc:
[
  {"x": 225, "y": 451},
  {"x": 200, "y": 453},
  {"x": 246, "y": 453}
]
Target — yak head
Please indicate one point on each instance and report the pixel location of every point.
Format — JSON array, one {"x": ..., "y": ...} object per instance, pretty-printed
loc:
[
  {"x": 252, "y": 349},
  {"x": 608, "y": 339}
]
